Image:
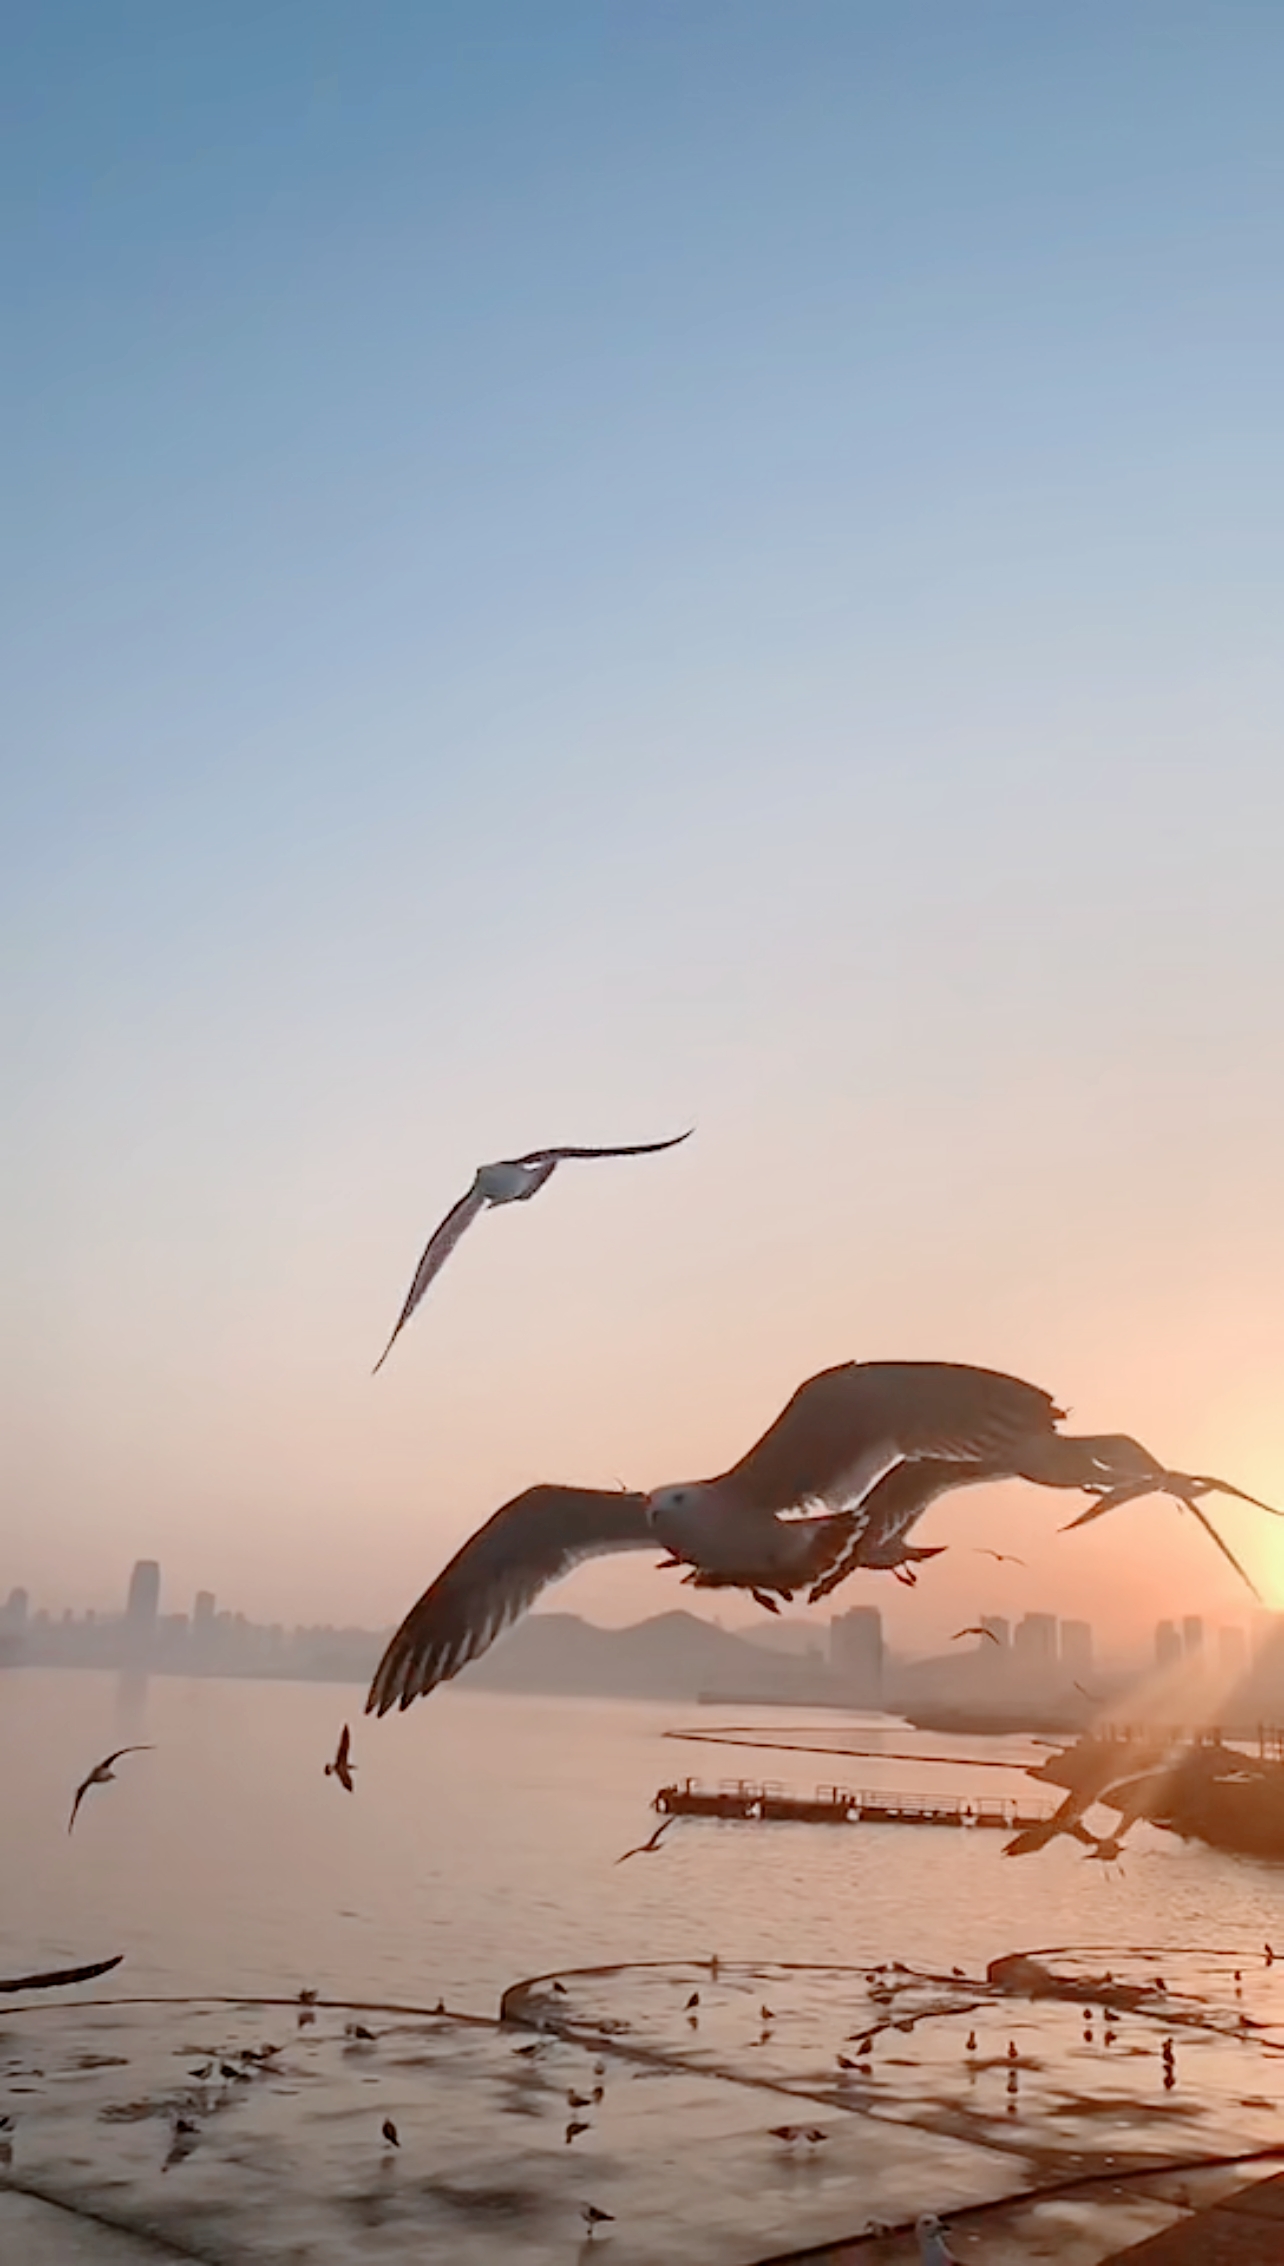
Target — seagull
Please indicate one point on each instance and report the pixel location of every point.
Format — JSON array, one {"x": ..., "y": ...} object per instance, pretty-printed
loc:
[
  {"x": 100, "y": 1775},
  {"x": 976, "y": 1631},
  {"x": 390, "y": 2133},
  {"x": 932, "y": 2248},
  {"x": 1001, "y": 1557},
  {"x": 573, "y": 2131},
  {"x": 644, "y": 1848},
  {"x": 512, "y": 1181},
  {"x": 342, "y": 1768},
  {"x": 593, "y": 2218},
  {"x": 833, "y": 1485}
]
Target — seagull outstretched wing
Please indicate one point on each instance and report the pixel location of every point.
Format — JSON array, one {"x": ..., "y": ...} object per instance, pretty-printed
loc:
[
  {"x": 846, "y": 1427},
  {"x": 500, "y": 1571},
  {"x": 437, "y": 1250}
]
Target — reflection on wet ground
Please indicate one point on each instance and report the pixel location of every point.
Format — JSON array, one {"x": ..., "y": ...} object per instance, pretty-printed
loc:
[{"x": 719, "y": 2113}]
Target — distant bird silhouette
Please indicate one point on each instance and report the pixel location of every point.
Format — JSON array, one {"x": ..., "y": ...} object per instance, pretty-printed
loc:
[
  {"x": 390, "y": 2133},
  {"x": 101, "y": 1775},
  {"x": 513, "y": 1181},
  {"x": 976, "y": 1631},
  {"x": 342, "y": 1768},
  {"x": 593, "y": 2218},
  {"x": 859, "y": 1452},
  {"x": 694, "y": 2000},
  {"x": 573, "y": 2130},
  {"x": 1001, "y": 1557},
  {"x": 576, "y": 2100},
  {"x": 644, "y": 1848},
  {"x": 787, "y": 2133}
]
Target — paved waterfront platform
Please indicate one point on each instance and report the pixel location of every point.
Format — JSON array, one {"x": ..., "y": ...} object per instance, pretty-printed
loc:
[{"x": 1067, "y": 2105}]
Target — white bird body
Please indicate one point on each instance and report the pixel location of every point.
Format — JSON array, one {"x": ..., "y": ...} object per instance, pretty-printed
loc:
[{"x": 932, "y": 2247}]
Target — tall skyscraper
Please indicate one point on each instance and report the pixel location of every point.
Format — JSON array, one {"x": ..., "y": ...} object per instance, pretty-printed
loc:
[
  {"x": 999, "y": 1629},
  {"x": 1076, "y": 1647},
  {"x": 1192, "y": 1634},
  {"x": 1034, "y": 1640},
  {"x": 856, "y": 1654},
  {"x": 141, "y": 1608},
  {"x": 1167, "y": 1643}
]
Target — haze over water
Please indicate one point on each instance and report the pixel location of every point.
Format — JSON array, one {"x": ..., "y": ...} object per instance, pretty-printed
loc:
[{"x": 480, "y": 1843}]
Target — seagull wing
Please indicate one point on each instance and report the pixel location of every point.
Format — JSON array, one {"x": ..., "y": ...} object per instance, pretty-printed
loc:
[
  {"x": 528, "y": 1544},
  {"x": 846, "y": 1426},
  {"x": 894, "y": 1503},
  {"x": 631, "y": 1149},
  {"x": 81, "y": 1792},
  {"x": 59, "y": 1975},
  {"x": 440, "y": 1244},
  {"x": 345, "y": 1746},
  {"x": 108, "y": 1760}
]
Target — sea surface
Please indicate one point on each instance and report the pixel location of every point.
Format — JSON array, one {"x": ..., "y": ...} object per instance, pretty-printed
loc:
[{"x": 480, "y": 1847}]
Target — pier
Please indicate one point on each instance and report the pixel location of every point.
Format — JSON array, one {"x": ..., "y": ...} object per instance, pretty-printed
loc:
[{"x": 768, "y": 1802}]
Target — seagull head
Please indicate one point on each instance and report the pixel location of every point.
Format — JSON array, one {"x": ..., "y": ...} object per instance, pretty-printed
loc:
[{"x": 677, "y": 1514}]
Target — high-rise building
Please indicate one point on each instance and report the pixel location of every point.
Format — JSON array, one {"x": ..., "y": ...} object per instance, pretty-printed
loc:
[
  {"x": 856, "y": 1654},
  {"x": 1076, "y": 1647},
  {"x": 141, "y": 1608},
  {"x": 999, "y": 1629},
  {"x": 1167, "y": 1643},
  {"x": 1034, "y": 1640},
  {"x": 203, "y": 1610},
  {"x": 1232, "y": 1650},
  {"x": 1192, "y": 1634},
  {"x": 13, "y": 1615}
]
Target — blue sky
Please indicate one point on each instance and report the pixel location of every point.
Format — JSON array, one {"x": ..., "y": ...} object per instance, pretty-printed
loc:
[{"x": 574, "y": 569}]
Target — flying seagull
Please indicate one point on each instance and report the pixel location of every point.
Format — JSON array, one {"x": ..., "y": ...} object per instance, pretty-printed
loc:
[
  {"x": 833, "y": 1485},
  {"x": 1001, "y": 1557},
  {"x": 512, "y": 1181},
  {"x": 100, "y": 1775},
  {"x": 978, "y": 1630},
  {"x": 644, "y": 1848},
  {"x": 342, "y": 1767}
]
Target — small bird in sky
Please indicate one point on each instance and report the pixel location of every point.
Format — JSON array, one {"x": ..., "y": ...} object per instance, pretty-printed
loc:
[
  {"x": 932, "y": 2247},
  {"x": 390, "y": 2133},
  {"x": 1001, "y": 1557},
  {"x": 694, "y": 2000},
  {"x": 101, "y": 1774},
  {"x": 576, "y": 2100},
  {"x": 573, "y": 2130},
  {"x": 787, "y": 2133},
  {"x": 976, "y": 1631},
  {"x": 514, "y": 1180},
  {"x": 644, "y": 1848},
  {"x": 593, "y": 2218},
  {"x": 342, "y": 1767}
]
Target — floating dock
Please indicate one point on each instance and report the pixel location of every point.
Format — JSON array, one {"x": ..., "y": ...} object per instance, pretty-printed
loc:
[{"x": 768, "y": 1802}]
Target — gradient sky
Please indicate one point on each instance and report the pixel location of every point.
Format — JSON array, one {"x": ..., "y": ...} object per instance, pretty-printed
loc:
[{"x": 576, "y": 569}]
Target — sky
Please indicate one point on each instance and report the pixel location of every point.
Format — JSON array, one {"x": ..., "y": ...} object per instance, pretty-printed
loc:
[{"x": 577, "y": 570}]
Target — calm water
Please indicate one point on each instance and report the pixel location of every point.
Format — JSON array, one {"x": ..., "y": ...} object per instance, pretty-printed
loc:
[{"x": 479, "y": 1847}]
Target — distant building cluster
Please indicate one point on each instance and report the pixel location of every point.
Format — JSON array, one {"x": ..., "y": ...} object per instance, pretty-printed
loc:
[{"x": 202, "y": 1643}]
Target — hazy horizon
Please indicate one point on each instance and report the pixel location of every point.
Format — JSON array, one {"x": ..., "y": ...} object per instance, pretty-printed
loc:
[{"x": 579, "y": 572}]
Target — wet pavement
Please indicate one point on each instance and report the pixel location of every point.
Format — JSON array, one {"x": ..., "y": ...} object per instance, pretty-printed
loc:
[{"x": 1059, "y": 2107}]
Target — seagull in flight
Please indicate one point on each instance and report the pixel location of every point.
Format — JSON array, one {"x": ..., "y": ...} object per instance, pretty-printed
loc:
[
  {"x": 514, "y": 1180},
  {"x": 644, "y": 1848},
  {"x": 833, "y": 1485},
  {"x": 1001, "y": 1557},
  {"x": 977, "y": 1630},
  {"x": 100, "y": 1775},
  {"x": 342, "y": 1767}
]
